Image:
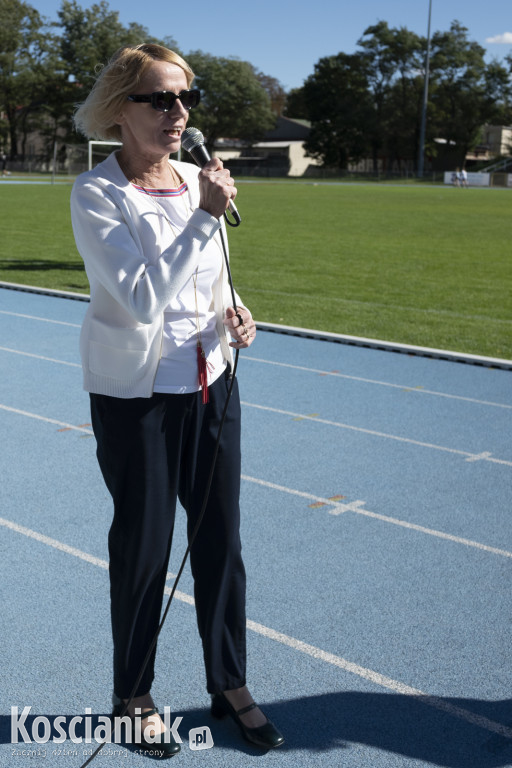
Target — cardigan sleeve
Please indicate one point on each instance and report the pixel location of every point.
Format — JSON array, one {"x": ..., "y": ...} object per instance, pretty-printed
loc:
[{"x": 116, "y": 254}]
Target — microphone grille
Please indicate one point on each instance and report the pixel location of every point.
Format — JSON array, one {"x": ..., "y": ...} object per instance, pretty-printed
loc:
[{"x": 190, "y": 138}]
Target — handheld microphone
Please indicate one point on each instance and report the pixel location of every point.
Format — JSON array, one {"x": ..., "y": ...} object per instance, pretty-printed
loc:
[{"x": 192, "y": 140}]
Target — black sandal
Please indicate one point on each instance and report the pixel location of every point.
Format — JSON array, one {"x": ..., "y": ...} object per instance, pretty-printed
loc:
[{"x": 265, "y": 736}]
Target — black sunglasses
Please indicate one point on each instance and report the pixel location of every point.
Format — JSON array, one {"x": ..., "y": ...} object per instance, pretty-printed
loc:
[{"x": 164, "y": 101}]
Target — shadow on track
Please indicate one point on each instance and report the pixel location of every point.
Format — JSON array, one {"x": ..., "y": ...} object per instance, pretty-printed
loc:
[{"x": 333, "y": 721}]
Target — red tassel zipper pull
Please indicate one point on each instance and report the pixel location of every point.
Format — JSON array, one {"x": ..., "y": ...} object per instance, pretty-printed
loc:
[{"x": 203, "y": 366}]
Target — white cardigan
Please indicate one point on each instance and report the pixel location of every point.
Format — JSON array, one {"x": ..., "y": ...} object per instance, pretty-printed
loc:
[{"x": 135, "y": 266}]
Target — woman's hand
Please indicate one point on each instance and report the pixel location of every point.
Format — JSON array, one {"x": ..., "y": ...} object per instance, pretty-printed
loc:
[
  {"x": 216, "y": 188},
  {"x": 243, "y": 333}
]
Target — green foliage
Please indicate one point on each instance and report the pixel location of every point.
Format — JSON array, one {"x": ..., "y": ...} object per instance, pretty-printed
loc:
[
  {"x": 54, "y": 71},
  {"x": 370, "y": 103},
  {"x": 92, "y": 35},
  {"x": 393, "y": 58},
  {"x": 27, "y": 62},
  {"x": 462, "y": 95},
  {"x": 338, "y": 105},
  {"x": 234, "y": 103},
  {"x": 43, "y": 73},
  {"x": 275, "y": 91},
  {"x": 419, "y": 265},
  {"x": 295, "y": 106}
]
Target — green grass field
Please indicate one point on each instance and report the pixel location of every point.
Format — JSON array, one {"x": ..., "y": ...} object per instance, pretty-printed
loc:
[{"x": 415, "y": 264}]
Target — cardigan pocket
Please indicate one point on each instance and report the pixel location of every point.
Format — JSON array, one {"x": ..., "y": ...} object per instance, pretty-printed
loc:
[{"x": 118, "y": 353}]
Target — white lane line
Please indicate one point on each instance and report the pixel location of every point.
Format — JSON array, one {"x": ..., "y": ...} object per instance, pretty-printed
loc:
[
  {"x": 54, "y": 543},
  {"x": 310, "y": 650},
  {"x": 469, "y": 456},
  {"x": 41, "y": 319},
  {"x": 283, "y": 488},
  {"x": 337, "y": 508},
  {"x": 473, "y": 457},
  {"x": 318, "y": 371},
  {"x": 403, "y": 387},
  {"x": 40, "y": 357},
  {"x": 483, "y": 456},
  {"x": 386, "y": 682},
  {"x": 431, "y": 531},
  {"x": 357, "y": 507},
  {"x": 46, "y": 419}
]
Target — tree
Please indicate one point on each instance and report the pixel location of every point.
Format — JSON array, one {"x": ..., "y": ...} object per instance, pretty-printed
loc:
[
  {"x": 275, "y": 90},
  {"x": 498, "y": 90},
  {"x": 507, "y": 120},
  {"x": 295, "y": 106},
  {"x": 43, "y": 73},
  {"x": 234, "y": 104},
  {"x": 394, "y": 58},
  {"x": 465, "y": 92},
  {"x": 370, "y": 103},
  {"x": 27, "y": 62},
  {"x": 92, "y": 35},
  {"x": 336, "y": 100}
]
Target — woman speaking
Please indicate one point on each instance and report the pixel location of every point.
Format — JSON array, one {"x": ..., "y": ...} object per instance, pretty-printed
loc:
[{"x": 156, "y": 345}]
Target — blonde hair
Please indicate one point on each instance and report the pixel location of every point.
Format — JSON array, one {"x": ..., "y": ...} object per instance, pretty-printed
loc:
[{"x": 96, "y": 117}]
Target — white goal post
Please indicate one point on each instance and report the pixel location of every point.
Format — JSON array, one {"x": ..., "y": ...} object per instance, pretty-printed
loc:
[{"x": 105, "y": 143}]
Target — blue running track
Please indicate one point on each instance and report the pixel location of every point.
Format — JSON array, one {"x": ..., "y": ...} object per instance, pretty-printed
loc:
[{"x": 377, "y": 533}]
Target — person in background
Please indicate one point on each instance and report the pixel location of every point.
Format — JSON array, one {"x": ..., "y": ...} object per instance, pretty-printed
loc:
[{"x": 3, "y": 159}]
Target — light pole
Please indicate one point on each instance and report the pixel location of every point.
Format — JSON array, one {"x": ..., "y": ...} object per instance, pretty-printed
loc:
[{"x": 421, "y": 151}]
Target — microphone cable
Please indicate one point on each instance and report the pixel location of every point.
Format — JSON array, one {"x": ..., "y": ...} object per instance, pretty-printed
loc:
[{"x": 199, "y": 519}]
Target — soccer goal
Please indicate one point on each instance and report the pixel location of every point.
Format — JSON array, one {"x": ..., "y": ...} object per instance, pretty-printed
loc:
[{"x": 98, "y": 151}]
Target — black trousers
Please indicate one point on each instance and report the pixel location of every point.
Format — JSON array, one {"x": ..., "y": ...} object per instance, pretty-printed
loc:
[{"x": 152, "y": 451}]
